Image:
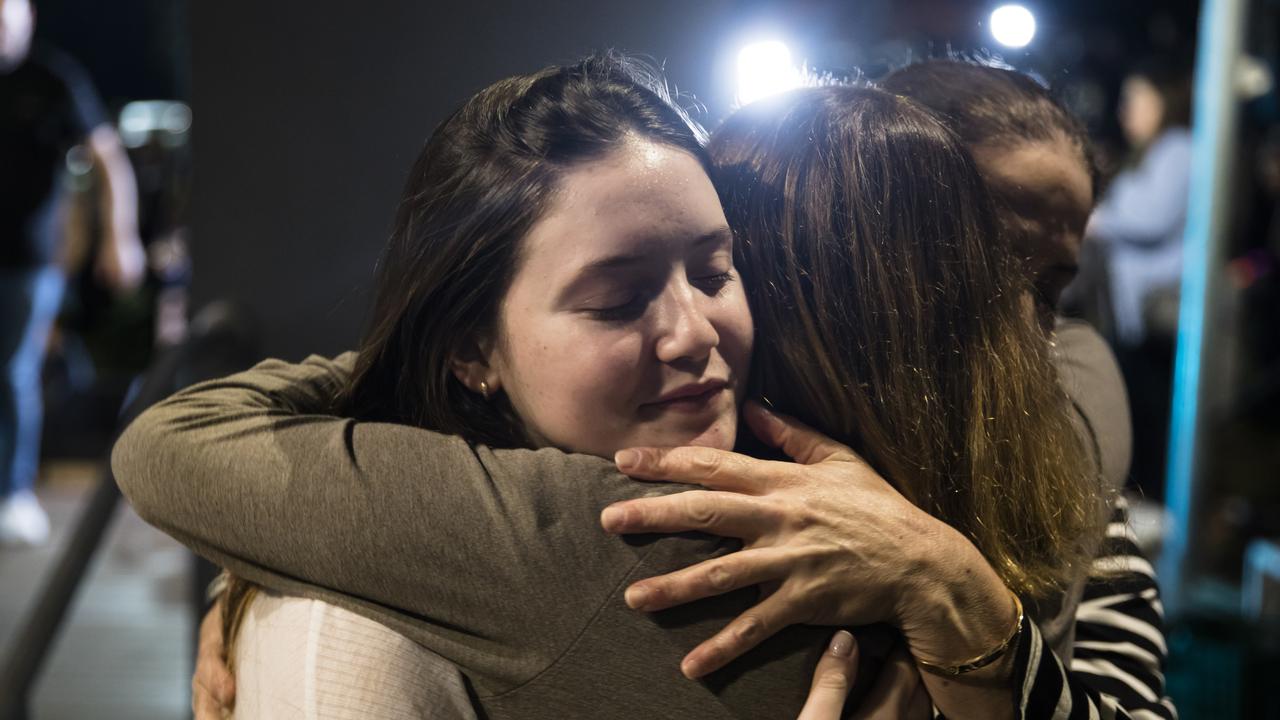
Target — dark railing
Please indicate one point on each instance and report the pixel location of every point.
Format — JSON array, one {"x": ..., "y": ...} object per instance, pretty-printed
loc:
[{"x": 219, "y": 342}]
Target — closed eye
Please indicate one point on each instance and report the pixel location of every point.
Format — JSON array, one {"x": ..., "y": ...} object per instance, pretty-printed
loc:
[
  {"x": 713, "y": 284},
  {"x": 623, "y": 312}
]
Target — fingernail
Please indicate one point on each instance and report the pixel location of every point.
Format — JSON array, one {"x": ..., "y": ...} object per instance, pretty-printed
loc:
[
  {"x": 637, "y": 597},
  {"x": 611, "y": 518},
  {"x": 842, "y": 644},
  {"x": 625, "y": 459}
]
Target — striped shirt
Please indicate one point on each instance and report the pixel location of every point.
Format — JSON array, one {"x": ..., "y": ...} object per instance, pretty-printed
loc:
[{"x": 1119, "y": 652}]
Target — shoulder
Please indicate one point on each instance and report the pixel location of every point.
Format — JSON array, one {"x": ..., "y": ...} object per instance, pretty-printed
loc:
[
  {"x": 1084, "y": 358},
  {"x": 1172, "y": 149},
  {"x": 1091, "y": 378},
  {"x": 550, "y": 480}
]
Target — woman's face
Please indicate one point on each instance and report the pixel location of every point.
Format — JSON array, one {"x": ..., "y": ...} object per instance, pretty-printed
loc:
[
  {"x": 626, "y": 323},
  {"x": 1044, "y": 194},
  {"x": 1141, "y": 110}
]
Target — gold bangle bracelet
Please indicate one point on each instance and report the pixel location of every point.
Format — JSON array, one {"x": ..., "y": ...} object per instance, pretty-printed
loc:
[{"x": 982, "y": 660}]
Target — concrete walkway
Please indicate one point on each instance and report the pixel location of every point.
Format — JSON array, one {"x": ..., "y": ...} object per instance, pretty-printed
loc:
[{"x": 124, "y": 650}]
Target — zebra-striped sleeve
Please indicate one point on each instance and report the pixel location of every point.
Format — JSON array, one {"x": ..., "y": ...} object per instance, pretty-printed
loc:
[{"x": 1120, "y": 651}]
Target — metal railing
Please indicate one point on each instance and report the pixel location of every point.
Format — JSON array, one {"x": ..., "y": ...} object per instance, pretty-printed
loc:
[{"x": 219, "y": 343}]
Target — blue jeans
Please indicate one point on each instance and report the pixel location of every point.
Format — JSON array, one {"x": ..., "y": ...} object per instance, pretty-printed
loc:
[{"x": 29, "y": 302}]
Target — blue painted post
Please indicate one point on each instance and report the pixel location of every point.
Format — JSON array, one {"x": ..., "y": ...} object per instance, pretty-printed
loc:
[{"x": 1214, "y": 130}]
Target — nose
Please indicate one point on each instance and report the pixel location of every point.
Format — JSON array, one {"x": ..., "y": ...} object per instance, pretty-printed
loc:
[{"x": 686, "y": 331}]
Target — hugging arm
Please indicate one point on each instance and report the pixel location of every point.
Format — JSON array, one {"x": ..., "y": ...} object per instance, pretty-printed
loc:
[
  {"x": 382, "y": 519},
  {"x": 805, "y": 529},
  {"x": 357, "y": 514}
]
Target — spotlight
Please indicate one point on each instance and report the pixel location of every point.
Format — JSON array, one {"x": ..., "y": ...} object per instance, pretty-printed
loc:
[
  {"x": 1013, "y": 26},
  {"x": 764, "y": 69}
]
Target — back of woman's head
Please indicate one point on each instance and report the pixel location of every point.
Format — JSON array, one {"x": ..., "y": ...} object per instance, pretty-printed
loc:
[
  {"x": 987, "y": 105},
  {"x": 483, "y": 179},
  {"x": 888, "y": 313}
]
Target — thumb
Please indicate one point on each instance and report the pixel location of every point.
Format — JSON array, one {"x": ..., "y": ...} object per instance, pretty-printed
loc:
[
  {"x": 832, "y": 679},
  {"x": 799, "y": 441}
]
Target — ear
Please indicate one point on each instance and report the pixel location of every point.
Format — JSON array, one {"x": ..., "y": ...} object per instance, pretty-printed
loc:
[{"x": 475, "y": 369}]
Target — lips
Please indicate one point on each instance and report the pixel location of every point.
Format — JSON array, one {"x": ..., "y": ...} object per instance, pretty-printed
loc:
[{"x": 693, "y": 396}]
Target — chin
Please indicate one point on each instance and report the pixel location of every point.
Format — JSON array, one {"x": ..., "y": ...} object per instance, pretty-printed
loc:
[{"x": 720, "y": 435}]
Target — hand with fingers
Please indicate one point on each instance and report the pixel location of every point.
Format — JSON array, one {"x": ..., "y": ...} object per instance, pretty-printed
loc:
[
  {"x": 897, "y": 693},
  {"x": 832, "y": 542},
  {"x": 213, "y": 688}
]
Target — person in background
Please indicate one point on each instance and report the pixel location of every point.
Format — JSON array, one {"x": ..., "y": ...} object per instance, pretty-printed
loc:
[
  {"x": 1138, "y": 225},
  {"x": 47, "y": 105}
]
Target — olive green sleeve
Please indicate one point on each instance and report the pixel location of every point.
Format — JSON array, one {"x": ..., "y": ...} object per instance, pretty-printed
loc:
[{"x": 424, "y": 532}]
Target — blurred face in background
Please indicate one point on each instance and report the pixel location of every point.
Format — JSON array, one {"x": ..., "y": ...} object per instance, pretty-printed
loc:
[
  {"x": 1141, "y": 111},
  {"x": 1044, "y": 194},
  {"x": 17, "y": 23}
]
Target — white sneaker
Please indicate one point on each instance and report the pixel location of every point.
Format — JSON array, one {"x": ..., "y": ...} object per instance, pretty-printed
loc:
[{"x": 23, "y": 522}]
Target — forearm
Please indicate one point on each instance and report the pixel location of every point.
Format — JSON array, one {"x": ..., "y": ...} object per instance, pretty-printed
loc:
[
  {"x": 959, "y": 611},
  {"x": 118, "y": 198},
  {"x": 394, "y": 517},
  {"x": 230, "y": 468},
  {"x": 1119, "y": 650}
]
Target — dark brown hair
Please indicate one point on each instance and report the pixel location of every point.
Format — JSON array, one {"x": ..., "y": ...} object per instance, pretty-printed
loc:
[
  {"x": 988, "y": 105},
  {"x": 888, "y": 311},
  {"x": 485, "y": 176},
  {"x": 483, "y": 179}
]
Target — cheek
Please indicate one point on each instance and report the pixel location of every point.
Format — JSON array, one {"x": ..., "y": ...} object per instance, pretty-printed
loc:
[
  {"x": 570, "y": 379},
  {"x": 732, "y": 318}
]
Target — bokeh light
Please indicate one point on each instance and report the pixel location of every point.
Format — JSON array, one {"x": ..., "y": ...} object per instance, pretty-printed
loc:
[
  {"x": 764, "y": 69},
  {"x": 1013, "y": 26}
]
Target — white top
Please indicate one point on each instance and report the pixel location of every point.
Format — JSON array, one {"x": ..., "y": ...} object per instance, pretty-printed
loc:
[{"x": 308, "y": 660}]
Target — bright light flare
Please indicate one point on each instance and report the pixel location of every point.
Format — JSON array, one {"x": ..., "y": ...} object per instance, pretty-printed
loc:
[
  {"x": 1013, "y": 26},
  {"x": 764, "y": 69}
]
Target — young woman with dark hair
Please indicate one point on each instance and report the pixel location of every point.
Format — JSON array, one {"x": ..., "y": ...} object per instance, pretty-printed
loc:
[
  {"x": 560, "y": 276},
  {"x": 502, "y": 576}
]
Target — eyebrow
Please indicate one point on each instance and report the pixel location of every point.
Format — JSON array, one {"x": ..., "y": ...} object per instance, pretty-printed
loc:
[{"x": 719, "y": 235}]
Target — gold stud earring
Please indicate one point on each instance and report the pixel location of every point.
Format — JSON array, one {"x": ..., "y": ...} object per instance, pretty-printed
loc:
[{"x": 484, "y": 389}]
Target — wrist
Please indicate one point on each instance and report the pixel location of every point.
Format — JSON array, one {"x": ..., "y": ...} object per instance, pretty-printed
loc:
[{"x": 959, "y": 608}]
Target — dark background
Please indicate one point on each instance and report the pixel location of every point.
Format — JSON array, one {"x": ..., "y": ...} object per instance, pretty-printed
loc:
[{"x": 308, "y": 113}]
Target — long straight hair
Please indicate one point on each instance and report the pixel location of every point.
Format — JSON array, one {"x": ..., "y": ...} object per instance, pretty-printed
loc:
[{"x": 889, "y": 314}]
